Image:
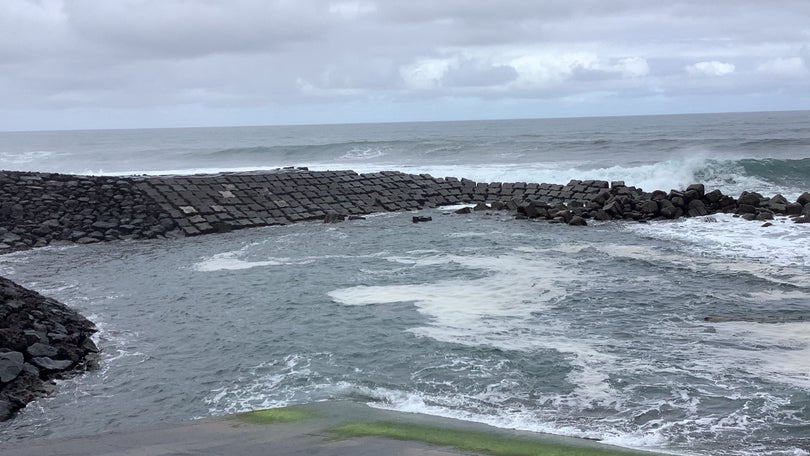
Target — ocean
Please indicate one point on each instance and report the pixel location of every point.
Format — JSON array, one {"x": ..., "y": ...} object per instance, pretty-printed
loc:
[{"x": 595, "y": 332}]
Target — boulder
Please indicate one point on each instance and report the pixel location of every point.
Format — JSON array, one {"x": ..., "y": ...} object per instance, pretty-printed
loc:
[
  {"x": 765, "y": 215},
  {"x": 421, "y": 219},
  {"x": 803, "y": 199},
  {"x": 39, "y": 349},
  {"x": 481, "y": 207},
  {"x": 463, "y": 210},
  {"x": 577, "y": 221},
  {"x": 751, "y": 199},
  {"x": 793, "y": 209},
  {"x": 713, "y": 196},
  {"x": 697, "y": 208},
  {"x": 649, "y": 208},
  {"x": 497, "y": 206},
  {"x": 668, "y": 210},
  {"x": 11, "y": 364},
  {"x": 699, "y": 189},
  {"x": 51, "y": 365}
]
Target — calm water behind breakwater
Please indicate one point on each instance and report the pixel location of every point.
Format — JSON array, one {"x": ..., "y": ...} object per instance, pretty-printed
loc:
[{"x": 593, "y": 332}]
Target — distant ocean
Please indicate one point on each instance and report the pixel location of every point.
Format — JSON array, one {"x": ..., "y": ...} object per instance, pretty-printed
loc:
[{"x": 596, "y": 332}]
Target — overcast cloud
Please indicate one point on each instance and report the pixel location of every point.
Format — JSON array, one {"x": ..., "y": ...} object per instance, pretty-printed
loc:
[{"x": 133, "y": 63}]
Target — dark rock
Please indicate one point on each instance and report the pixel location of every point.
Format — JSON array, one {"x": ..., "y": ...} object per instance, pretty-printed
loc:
[
  {"x": 713, "y": 196},
  {"x": 746, "y": 209},
  {"x": 51, "y": 365},
  {"x": 649, "y": 208},
  {"x": 356, "y": 217},
  {"x": 614, "y": 209},
  {"x": 103, "y": 226},
  {"x": 497, "y": 206},
  {"x": 765, "y": 215},
  {"x": 11, "y": 364},
  {"x": 751, "y": 199},
  {"x": 40, "y": 350},
  {"x": 463, "y": 210},
  {"x": 333, "y": 217},
  {"x": 793, "y": 209},
  {"x": 749, "y": 217},
  {"x": 699, "y": 189},
  {"x": 481, "y": 207},
  {"x": 577, "y": 221},
  {"x": 668, "y": 210},
  {"x": 767, "y": 224},
  {"x": 421, "y": 219},
  {"x": 804, "y": 199},
  {"x": 697, "y": 208}
]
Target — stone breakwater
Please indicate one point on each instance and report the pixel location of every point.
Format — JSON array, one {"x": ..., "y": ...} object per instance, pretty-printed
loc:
[
  {"x": 37, "y": 209},
  {"x": 40, "y": 340}
]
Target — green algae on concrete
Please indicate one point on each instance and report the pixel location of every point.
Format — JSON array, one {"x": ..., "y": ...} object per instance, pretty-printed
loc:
[
  {"x": 276, "y": 415},
  {"x": 475, "y": 441}
]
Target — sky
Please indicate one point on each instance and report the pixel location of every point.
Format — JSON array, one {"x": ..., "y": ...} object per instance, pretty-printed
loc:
[{"x": 84, "y": 64}]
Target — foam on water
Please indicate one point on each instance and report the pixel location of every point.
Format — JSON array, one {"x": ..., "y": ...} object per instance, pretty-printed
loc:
[{"x": 724, "y": 243}]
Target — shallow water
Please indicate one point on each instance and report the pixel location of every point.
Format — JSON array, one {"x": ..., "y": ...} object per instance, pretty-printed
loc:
[{"x": 593, "y": 332}]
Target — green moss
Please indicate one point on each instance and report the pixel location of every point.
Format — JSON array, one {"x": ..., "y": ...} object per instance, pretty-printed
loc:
[
  {"x": 481, "y": 442},
  {"x": 275, "y": 415}
]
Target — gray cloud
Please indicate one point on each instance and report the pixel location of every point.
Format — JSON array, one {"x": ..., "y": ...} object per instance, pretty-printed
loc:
[{"x": 352, "y": 60}]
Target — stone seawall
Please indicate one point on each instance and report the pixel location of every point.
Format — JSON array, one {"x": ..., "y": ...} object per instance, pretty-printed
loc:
[{"x": 37, "y": 209}]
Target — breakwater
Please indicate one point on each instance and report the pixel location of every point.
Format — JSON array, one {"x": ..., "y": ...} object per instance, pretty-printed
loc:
[{"x": 37, "y": 209}]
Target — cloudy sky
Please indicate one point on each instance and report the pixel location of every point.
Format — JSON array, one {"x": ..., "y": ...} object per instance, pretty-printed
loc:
[{"x": 151, "y": 63}]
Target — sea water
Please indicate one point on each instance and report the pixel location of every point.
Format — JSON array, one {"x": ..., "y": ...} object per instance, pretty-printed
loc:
[{"x": 593, "y": 332}]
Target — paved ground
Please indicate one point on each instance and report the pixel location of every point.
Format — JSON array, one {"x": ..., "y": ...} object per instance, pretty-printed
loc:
[{"x": 306, "y": 435}]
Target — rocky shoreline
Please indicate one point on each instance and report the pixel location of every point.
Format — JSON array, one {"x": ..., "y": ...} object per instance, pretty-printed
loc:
[
  {"x": 37, "y": 209},
  {"x": 40, "y": 340}
]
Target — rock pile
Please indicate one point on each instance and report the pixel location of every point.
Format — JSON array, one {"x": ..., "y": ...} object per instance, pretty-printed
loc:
[
  {"x": 37, "y": 209},
  {"x": 600, "y": 200},
  {"x": 40, "y": 340}
]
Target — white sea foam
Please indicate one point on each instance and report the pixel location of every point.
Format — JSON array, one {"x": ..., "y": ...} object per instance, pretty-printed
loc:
[
  {"x": 490, "y": 311},
  {"x": 778, "y": 252},
  {"x": 782, "y": 351}
]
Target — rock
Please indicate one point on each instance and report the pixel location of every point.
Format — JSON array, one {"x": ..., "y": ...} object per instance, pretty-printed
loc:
[
  {"x": 766, "y": 224},
  {"x": 806, "y": 210},
  {"x": 463, "y": 210},
  {"x": 333, "y": 217},
  {"x": 40, "y": 350},
  {"x": 649, "y": 208},
  {"x": 577, "y": 221},
  {"x": 713, "y": 196},
  {"x": 356, "y": 217},
  {"x": 765, "y": 215},
  {"x": 668, "y": 210},
  {"x": 497, "y": 206},
  {"x": 6, "y": 410},
  {"x": 614, "y": 209},
  {"x": 751, "y": 199},
  {"x": 746, "y": 209},
  {"x": 421, "y": 219},
  {"x": 804, "y": 199},
  {"x": 11, "y": 364},
  {"x": 481, "y": 207},
  {"x": 699, "y": 189},
  {"x": 104, "y": 226},
  {"x": 697, "y": 208},
  {"x": 793, "y": 209},
  {"x": 49, "y": 364}
]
